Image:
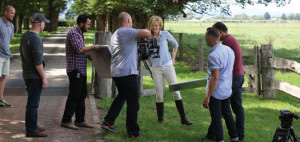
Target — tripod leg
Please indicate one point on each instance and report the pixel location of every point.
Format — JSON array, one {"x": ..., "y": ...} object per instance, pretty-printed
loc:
[{"x": 293, "y": 136}]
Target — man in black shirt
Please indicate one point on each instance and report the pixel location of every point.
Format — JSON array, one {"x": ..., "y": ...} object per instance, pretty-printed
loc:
[{"x": 31, "y": 50}]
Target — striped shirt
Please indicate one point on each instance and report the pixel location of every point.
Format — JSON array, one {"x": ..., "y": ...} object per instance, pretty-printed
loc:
[
  {"x": 221, "y": 58},
  {"x": 75, "y": 59},
  {"x": 165, "y": 57},
  {"x": 123, "y": 48}
]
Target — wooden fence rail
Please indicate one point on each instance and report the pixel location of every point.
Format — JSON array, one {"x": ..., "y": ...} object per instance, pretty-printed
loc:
[
  {"x": 281, "y": 63},
  {"x": 287, "y": 88}
]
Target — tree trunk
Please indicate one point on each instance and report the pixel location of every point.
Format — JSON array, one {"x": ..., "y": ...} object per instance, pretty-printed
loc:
[
  {"x": 93, "y": 22},
  {"x": 50, "y": 13},
  {"x": 20, "y": 23},
  {"x": 15, "y": 23},
  {"x": 26, "y": 23}
]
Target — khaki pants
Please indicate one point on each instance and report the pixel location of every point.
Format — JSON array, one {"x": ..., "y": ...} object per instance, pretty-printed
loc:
[{"x": 160, "y": 73}]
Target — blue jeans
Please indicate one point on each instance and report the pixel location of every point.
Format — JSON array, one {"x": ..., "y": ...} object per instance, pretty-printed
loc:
[
  {"x": 34, "y": 89},
  {"x": 217, "y": 109},
  {"x": 128, "y": 89},
  {"x": 237, "y": 106}
]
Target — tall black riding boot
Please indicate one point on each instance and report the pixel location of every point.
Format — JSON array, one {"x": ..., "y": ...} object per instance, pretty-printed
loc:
[
  {"x": 160, "y": 111},
  {"x": 180, "y": 108}
]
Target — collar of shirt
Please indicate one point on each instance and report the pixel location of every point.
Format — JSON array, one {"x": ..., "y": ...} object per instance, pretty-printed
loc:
[
  {"x": 79, "y": 31},
  {"x": 6, "y": 23},
  {"x": 217, "y": 45}
]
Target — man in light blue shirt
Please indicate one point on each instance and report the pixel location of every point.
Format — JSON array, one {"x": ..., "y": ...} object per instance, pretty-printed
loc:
[
  {"x": 218, "y": 90},
  {"x": 123, "y": 48},
  {"x": 6, "y": 34}
]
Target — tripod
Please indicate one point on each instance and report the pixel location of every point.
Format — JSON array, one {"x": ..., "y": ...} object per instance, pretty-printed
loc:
[{"x": 285, "y": 134}]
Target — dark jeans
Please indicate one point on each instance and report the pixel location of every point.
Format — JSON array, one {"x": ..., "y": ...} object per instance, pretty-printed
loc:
[
  {"x": 34, "y": 90},
  {"x": 237, "y": 106},
  {"x": 128, "y": 89},
  {"x": 219, "y": 108},
  {"x": 76, "y": 98}
]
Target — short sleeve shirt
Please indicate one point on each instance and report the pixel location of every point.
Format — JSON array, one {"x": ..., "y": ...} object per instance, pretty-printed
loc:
[
  {"x": 123, "y": 48},
  {"x": 221, "y": 58},
  {"x": 6, "y": 33}
]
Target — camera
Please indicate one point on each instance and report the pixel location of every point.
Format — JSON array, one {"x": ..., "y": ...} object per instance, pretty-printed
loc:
[
  {"x": 286, "y": 118},
  {"x": 285, "y": 132},
  {"x": 148, "y": 48}
]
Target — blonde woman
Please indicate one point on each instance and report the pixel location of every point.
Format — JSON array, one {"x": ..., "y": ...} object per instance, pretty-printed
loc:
[{"x": 162, "y": 68}]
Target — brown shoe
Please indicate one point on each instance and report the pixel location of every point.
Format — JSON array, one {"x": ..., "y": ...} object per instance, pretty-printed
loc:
[
  {"x": 83, "y": 124},
  {"x": 40, "y": 128},
  {"x": 36, "y": 134},
  {"x": 69, "y": 125}
]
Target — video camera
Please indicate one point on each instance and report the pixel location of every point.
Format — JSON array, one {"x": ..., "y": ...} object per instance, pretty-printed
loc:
[
  {"x": 286, "y": 118},
  {"x": 285, "y": 132},
  {"x": 148, "y": 48}
]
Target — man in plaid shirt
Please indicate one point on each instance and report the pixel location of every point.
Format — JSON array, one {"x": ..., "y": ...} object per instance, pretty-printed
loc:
[{"x": 76, "y": 70}]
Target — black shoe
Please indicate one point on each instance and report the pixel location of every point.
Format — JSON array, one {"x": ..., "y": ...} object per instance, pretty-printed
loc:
[
  {"x": 36, "y": 134},
  {"x": 133, "y": 136},
  {"x": 108, "y": 127}
]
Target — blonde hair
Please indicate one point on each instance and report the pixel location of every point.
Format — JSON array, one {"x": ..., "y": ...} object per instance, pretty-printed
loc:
[{"x": 152, "y": 19}]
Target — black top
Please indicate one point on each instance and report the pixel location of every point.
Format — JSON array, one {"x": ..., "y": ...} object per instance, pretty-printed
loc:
[{"x": 31, "y": 51}]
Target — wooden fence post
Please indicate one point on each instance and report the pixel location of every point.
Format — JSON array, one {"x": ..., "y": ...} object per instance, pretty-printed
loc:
[
  {"x": 267, "y": 71},
  {"x": 181, "y": 46},
  {"x": 201, "y": 52},
  {"x": 103, "y": 86},
  {"x": 257, "y": 71}
]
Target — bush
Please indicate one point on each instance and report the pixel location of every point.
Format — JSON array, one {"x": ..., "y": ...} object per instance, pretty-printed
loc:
[{"x": 66, "y": 23}]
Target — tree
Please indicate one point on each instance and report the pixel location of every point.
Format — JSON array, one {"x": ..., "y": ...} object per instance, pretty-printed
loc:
[
  {"x": 256, "y": 17},
  {"x": 241, "y": 17},
  {"x": 141, "y": 10},
  {"x": 291, "y": 17},
  {"x": 283, "y": 17},
  {"x": 267, "y": 16},
  {"x": 297, "y": 16}
]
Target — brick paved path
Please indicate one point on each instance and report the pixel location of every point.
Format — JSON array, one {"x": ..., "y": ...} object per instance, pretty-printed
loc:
[{"x": 12, "y": 124}]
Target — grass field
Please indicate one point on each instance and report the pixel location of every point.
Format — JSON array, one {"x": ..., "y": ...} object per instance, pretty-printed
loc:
[{"x": 261, "y": 115}]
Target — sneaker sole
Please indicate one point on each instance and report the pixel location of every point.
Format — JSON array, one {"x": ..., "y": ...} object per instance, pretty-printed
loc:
[{"x": 108, "y": 129}]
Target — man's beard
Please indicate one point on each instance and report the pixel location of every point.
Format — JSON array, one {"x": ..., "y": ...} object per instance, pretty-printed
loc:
[
  {"x": 83, "y": 29},
  {"x": 10, "y": 20}
]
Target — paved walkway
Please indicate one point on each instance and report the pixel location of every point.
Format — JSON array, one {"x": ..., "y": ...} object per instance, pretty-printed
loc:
[{"x": 12, "y": 124}]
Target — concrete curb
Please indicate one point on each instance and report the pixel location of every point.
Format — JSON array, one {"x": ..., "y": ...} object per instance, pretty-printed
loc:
[{"x": 95, "y": 117}]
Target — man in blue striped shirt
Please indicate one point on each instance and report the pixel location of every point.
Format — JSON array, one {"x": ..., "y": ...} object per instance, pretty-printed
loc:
[{"x": 218, "y": 89}]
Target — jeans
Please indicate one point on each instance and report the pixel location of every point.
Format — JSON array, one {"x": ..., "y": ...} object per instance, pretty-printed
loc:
[
  {"x": 128, "y": 89},
  {"x": 236, "y": 104},
  {"x": 76, "y": 98},
  {"x": 159, "y": 75},
  {"x": 34, "y": 90},
  {"x": 219, "y": 108}
]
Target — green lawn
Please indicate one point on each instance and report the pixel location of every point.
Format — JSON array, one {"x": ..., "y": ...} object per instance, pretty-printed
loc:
[
  {"x": 261, "y": 115},
  {"x": 15, "y": 43}
]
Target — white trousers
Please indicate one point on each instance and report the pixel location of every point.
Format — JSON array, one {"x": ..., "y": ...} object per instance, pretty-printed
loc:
[{"x": 160, "y": 73}]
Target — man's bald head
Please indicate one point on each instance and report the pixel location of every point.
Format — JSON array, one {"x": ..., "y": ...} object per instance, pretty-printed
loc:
[{"x": 124, "y": 19}]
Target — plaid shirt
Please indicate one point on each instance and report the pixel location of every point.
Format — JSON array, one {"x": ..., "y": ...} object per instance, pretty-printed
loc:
[{"x": 75, "y": 59}]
